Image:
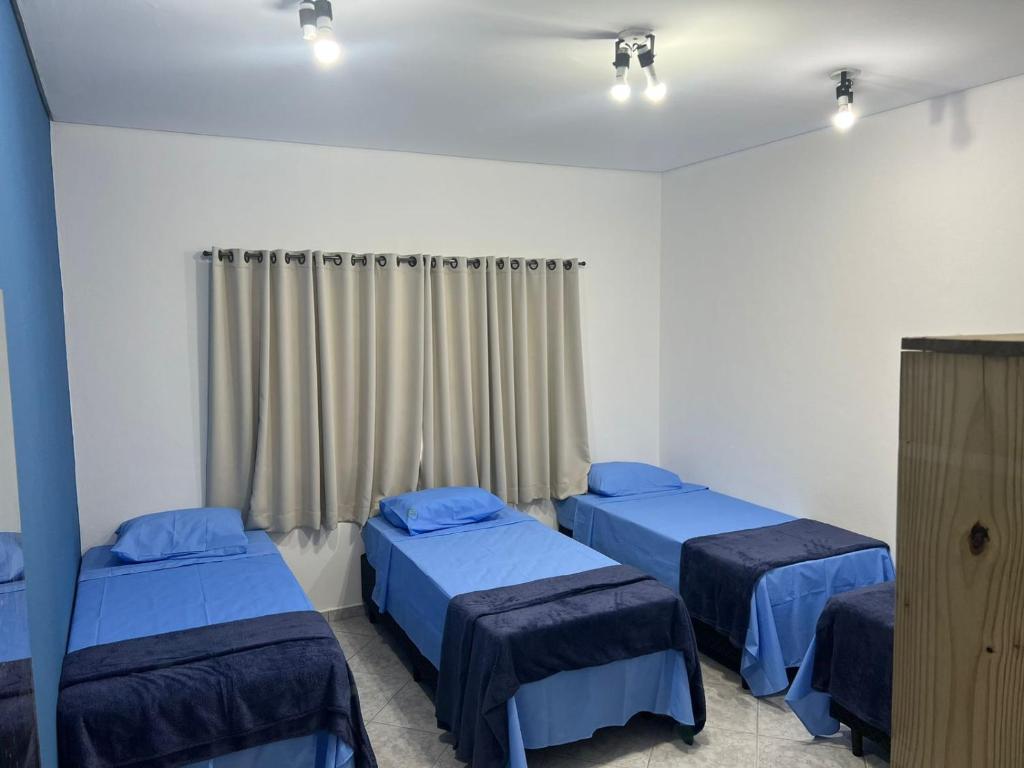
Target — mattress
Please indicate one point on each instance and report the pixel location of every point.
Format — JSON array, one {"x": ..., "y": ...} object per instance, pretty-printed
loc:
[
  {"x": 418, "y": 575},
  {"x": 118, "y": 601},
  {"x": 14, "y": 621},
  {"x": 648, "y": 531}
]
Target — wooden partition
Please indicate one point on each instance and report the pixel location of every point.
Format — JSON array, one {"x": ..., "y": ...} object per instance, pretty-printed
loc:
[{"x": 958, "y": 689}]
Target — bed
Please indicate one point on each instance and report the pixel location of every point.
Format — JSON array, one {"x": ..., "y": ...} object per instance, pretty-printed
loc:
[
  {"x": 412, "y": 580},
  {"x": 650, "y": 530},
  {"x": 18, "y": 743},
  {"x": 170, "y": 601},
  {"x": 846, "y": 675}
]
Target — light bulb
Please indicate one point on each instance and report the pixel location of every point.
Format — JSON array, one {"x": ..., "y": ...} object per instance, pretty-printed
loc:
[
  {"x": 620, "y": 91},
  {"x": 307, "y": 19},
  {"x": 844, "y": 117},
  {"x": 326, "y": 48},
  {"x": 655, "y": 91}
]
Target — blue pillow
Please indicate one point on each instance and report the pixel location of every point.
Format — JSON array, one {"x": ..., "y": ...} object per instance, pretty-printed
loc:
[
  {"x": 625, "y": 478},
  {"x": 12, "y": 561},
  {"x": 436, "y": 508},
  {"x": 200, "y": 532}
]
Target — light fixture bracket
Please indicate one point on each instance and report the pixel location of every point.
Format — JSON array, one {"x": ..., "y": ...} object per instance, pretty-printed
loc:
[
  {"x": 622, "y": 55},
  {"x": 844, "y": 84}
]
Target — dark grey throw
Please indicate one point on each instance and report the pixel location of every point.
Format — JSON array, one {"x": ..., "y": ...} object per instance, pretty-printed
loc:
[
  {"x": 19, "y": 746},
  {"x": 853, "y": 656},
  {"x": 181, "y": 697},
  {"x": 497, "y": 640},
  {"x": 718, "y": 574}
]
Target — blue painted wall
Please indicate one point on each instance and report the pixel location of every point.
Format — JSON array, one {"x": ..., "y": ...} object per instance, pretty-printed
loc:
[{"x": 30, "y": 280}]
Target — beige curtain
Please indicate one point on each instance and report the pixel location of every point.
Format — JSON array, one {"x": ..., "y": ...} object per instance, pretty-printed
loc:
[
  {"x": 537, "y": 376},
  {"x": 337, "y": 379}
]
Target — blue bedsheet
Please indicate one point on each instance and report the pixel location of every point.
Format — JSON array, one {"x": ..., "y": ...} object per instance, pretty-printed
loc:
[
  {"x": 118, "y": 601},
  {"x": 13, "y": 622},
  {"x": 417, "y": 576},
  {"x": 648, "y": 530}
]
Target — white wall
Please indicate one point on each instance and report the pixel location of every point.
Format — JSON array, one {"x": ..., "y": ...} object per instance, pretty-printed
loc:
[
  {"x": 135, "y": 207},
  {"x": 790, "y": 273}
]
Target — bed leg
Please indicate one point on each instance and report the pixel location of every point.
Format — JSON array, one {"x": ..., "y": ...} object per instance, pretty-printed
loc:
[
  {"x": 743, "y": 682},
  {"x": 686, "y": 733},
  {"x": 372, "y": 614},
  {"x": 857, "y": 742}
]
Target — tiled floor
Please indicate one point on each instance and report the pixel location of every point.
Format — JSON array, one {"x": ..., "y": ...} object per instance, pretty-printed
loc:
[{"x": 742, "y": 732}]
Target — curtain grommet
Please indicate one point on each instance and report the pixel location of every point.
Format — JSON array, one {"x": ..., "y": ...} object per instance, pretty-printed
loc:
[
  {"x": 532, "y": 264},
  {"x": 514, "y": 263},
  {"x": 499, "y": 263},
  {"x": 382, "y": 261}
]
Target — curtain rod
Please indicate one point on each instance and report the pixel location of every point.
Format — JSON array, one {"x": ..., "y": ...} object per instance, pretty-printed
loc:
[{"x": 382, "y": 260}]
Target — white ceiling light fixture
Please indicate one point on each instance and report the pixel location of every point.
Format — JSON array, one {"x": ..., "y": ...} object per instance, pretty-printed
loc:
[
  {"x": 639, "y": 43},
  {"x": 620, "y": 91},
  {"x": 316, "y": 17},
  {"x": 655, "y": 90},
  {"x": 845, "y": 117}
]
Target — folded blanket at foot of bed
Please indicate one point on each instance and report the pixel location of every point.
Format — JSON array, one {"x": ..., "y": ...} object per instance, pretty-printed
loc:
[
  {"x": 853, "y": 656},
  {"x": 192, "y": 695},
  {"x": 19, "y": 747},
  {"x": 718, "y": 574},
  {"x": 497, "y": 640}
]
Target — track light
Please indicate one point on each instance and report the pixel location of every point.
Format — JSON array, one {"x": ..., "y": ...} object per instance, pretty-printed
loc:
[
  {"x": 316, "y": 17},
  {"x": 844, "y": 117},
  {"x": 655, "y": 90},
  {"x": 639, "y": 43},
  {"x": 620, "y": 91},
  {"x": 307, "y": 19}
]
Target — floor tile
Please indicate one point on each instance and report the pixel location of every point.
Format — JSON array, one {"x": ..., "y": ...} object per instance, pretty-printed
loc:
[
  {"x": 783, "y": 753},
  {"x": 375, "y": 692},
  {"x": 357, "y": 625},
  {"x": 713, "y": 672},
  {"x": 730, "y": 707},
  {"x": 403, "y": 747},
  {"x": 411, "y": 707},
  {"x": 351, "y": 643},
  {"x": 381, "y": 660},
  {"x": 628, "y": 746},
  {"x": 712, "y": 748}
]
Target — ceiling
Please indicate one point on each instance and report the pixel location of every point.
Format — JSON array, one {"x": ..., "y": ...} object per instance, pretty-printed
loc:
[{"x": 523, "y": 80}]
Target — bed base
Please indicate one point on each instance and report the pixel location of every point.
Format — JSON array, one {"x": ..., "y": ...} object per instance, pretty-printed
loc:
[
  {"x": 419, "y": 665},
  {"x": 859, "y": 730}
]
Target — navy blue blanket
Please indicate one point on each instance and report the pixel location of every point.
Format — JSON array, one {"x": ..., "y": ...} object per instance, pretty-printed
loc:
[
  {"x": 19, "y": 746},
  {"x": 718, "y": 574},
  {"x": 853, "y": 656},
  {"x": 497, "y": 640},
  {"x": 181, "y": 697}
]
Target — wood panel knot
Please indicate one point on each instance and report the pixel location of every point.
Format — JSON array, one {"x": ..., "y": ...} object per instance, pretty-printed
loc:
[{"x": 978, "y": 538}]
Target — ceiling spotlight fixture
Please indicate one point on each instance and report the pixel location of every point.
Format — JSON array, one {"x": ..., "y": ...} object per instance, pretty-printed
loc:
[
  {"x": 639, "y": 43},
  {"x": 620, "y": 91},
  {"x": 844, "y": 117},
  {"x": 307, "y": 19},
  {"x": 316, "y": 17},
  {"x": 655, "y": 90}
]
